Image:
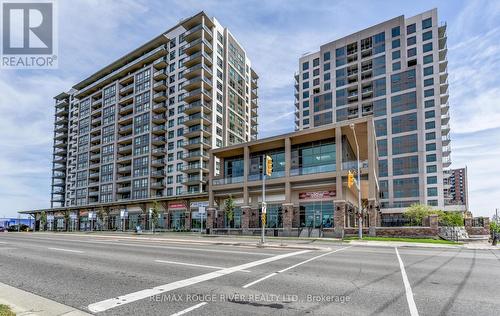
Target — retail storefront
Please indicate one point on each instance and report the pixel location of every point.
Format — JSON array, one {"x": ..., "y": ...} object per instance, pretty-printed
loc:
[{"x": 316, "y": 209}]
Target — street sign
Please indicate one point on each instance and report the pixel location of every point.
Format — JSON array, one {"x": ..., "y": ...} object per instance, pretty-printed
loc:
[
  {"x": 123, "y": 214},
  {"x": 264, "y": 208},
  {"x": 199, "y": 204},
  {"x": 201, "y": 210}
]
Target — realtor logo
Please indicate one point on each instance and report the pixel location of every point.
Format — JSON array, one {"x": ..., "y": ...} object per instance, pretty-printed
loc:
[{"x": 28, "y": 35}]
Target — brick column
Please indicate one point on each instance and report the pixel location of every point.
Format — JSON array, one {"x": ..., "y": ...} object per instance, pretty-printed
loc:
[
  {"x": 339, "y": 219},
  {"x": 187, "y": 221},
  {"x": 246, "y": 211},
  {"x": 486, "y": 225},
  {"x": 210, "y": 218},
  {"x": 433, "y": 222}
]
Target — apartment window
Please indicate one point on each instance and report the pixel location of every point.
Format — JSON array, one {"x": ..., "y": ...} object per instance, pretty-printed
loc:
[
  {"x": 381, "y": 127},
  {"x": 411, "y": 41},
  {"x": 412, "y": 52},
  {"x": 407, "y": 187},
  {"x": 427, "y": 47},
  {"x": 322, "y": 119},
  {"x": 428, "y": 93},
  {"x": 396, "y": 31},
  {"x": 428, "y": 59},
  {"x": 316, "y": 82},
  {"x": 428, "y": 71},
  {"x": 429, "y": 103},
  {"x": 382, "y": 147},
  {"x": 405, "y": 165},
  {"x": 430, "y": 114},
  {"x": 430, "y": 136},
  {"x": 426, "y": 23},
  {"x": 430, "y": 125},
  {"x": 305, "y": 65},
  {"x": 305, "y": 122},
  {"x": 379, "y": 87},
  {"x": 316, "y": 72},
  {"x": 430, "y": 147},
  {"x": 396, "y": 43},
  {"x": 315, "y": 62},
  {"x": 305, "y": 76},
  {"x": 396, "y": 54},
  {"x": 404, "y": 123},
  {"x": 143, "y": 80},
  {"x": 326, "y": 76},
  {"x": 405, "y": 144},
  {"x": 426, "y": 36},
  {"x": 305, "y": 113},
  {"x": 326, "y": 67},
  {"x": 396, "y": 66},
  {"x": 141, "y": 166},
  {"x": 428, "y": 82},
  {"x": 305, "y": 85},
  {"x": 326, "y": 56},
  {"x": 305, "y": 94},
  {"x": 326, "y": 86},
  {"x": 403, "y": 81},
  {"x": 432, "y": 191},
  {"x": 305, "y": 104},
  {"x": 382, "y": 168},
  {"x": 431, "y": 169},
  {"x": 404, "y": 102},
  {"x": 379, "y": 107},
  {"x": 410, "y": 29},
  {"x": 430, "y": 158}
]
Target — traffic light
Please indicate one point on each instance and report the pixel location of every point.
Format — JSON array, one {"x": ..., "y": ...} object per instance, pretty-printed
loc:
[
  {"x": 350, "y": 179},
  {"x": 269, "y": 165}
]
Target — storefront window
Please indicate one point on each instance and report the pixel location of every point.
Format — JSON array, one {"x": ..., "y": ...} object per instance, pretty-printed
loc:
[
  {"x": 313, "y": 157},
  {"x": 178, "y": 220},
  {"x": 316, "y": 214},
  {"x": 133, "y": 221},
  {"x": 235, "y": 222}
]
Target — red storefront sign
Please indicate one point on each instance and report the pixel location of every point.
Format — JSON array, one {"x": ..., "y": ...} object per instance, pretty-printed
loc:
[
  {"x": 317, "y": 195},
  {"x": 179, "y": 205}
]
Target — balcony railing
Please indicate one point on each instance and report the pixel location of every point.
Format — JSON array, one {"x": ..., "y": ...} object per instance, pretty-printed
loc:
[
  {"x": 228, "y": 180},
  {"x": 313, "y": 169}
]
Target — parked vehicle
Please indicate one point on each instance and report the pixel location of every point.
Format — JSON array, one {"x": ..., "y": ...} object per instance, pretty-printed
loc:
[
  {"x": 23, "y": 228},
  {"x": 2, "y": 229}
]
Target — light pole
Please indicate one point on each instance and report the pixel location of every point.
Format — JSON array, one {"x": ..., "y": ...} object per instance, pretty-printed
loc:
[{"x": 360, "y": 228}]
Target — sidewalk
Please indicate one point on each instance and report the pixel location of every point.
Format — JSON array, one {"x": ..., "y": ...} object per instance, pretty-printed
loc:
[
  {"x": 476, "y": 246},
  {"x": 25, "y": 303}
]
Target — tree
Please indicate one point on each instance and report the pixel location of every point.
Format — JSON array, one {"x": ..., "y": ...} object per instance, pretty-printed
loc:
[
  {"x": 155, "y": 212},
  {"x": 416, "y": 214},
  {"x": 43, "y": 220},
  {"x": 450, "y": 218},
  {"x": 229, "y": 209}
]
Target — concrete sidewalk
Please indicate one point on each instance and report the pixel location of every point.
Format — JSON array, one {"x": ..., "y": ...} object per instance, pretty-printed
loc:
[{"x": 25, "y": 303}]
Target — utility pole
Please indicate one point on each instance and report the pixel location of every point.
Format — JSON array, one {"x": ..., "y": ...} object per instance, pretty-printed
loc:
[
  {"x": 358, "y": 185},
  {"x": 267, "y": 170}
]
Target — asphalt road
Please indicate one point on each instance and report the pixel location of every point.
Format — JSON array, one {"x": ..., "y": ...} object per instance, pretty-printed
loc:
[{"x": 116, "y": 276}]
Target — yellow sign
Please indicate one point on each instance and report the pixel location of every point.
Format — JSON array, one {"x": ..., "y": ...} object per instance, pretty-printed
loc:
[{"x": 269, "y": 165}]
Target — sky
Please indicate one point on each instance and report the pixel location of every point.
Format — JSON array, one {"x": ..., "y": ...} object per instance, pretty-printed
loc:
[{"x": 274, "y": 33}]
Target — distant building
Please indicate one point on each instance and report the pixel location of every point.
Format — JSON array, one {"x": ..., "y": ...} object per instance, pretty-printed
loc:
[
  {"x": 7, "y": 222},
  {"x": 457, "y": 189}
]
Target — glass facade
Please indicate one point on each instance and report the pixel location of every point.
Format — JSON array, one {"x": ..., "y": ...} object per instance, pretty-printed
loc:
[
  {"x": 316, "y": 214},
  {"x": 315, "y": 157}
]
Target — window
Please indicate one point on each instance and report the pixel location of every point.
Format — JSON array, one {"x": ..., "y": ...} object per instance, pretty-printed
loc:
[
  {"x": 305, "y": 65},
  {"x": 432, "y": 202},
  {"x": 428, "y": 59},
  {"x": 428, "y": 82},
  {"x": 326, "y": 66},
  {"x": 396, "y": 31},
  {"x": 405, "y": 144},
  {"x": 382, "y": 168},
  {"x": 379, "y": 107},
  {"x": 430, "y": 136},
  {"x": 430, "y": 114},
  {"x": 426, "y": 36},
  {"x": 430, "y": 158},
  {"x": 431, "y": 169},
  {"x": 430, "y": 147},
  {"x": 396, "y": 66},
  {"x": 427, "y": 47},
  {"x": 305, "y": 76},
  {"x": 428, "y": 93},
  {"x": 404, "y": 123},
  {"x": 403, "y": 81},
  {"x": 396, "y": 54},
  {"x": 426, "y": 23},
  {"x": 316, "y": 62},
  {"x": 429, "y": 103},
  {"x": 410, "y": 29},
  {"x": 305, "y": 85},
  {"x": 404, "y": 102},
  {"x": 407, "y": 187},
  {"x": 405, "y": 165},
  {"x": 412, "y": 52},
  {"x": 326, "y": 76},
  {"x": 305, "y": 104},
  {"x": 396, "y": 43},
  {"x": 382, "y": 147},
  {"x": 430, "y": 125},
  {"x": 326, "y": 56},
  {"x": 381, "y": 127},
  {"x": 411, "y": 41},
  {"x": 432, "y": 191},
  {"x": 379, "y": 87},
  {"x": 428, "y": 71}
]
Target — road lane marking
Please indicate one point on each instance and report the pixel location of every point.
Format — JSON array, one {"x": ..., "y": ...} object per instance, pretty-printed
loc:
[
  {"x": 291, "y": 267},
  {"x": 187, "y": 310},
  {"x": 193, "y": 265},
  {"x": 8, "y": 248},
  {"x": 136, "y": 296},
  {"x": 156, "y": 246},
  {"x": 409, "y": 293},
  {"x": 2, "y": 242},
  {"x": 66, "y": 250}
]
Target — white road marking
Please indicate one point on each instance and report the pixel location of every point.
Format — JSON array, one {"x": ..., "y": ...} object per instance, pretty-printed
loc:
[
  {"x": 2, "y": 242},
  {"x": 193, "y": 265},
  {"x": 187, "y": 310},
  {"x": 132, "y": 297},
  {"x": 66, "y": 250},
  {"x": 291, "y": 267},
  {"x": 8, "y": 248},
  {"x": 409, "y": 293}
]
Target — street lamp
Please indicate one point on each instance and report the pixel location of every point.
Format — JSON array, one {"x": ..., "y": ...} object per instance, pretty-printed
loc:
[{"x": 360, "y": 228}]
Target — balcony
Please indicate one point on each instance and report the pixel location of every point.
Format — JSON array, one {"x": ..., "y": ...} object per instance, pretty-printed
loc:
[
  {"x": 195, "y": 155},
  {"x": 197, "y": 95},
  {"x": 196, "y": 58},
  {"x": 446, "y": 162},
  {"x": 445, "y": 129},
  {"x": 158, "y": 130},
  {"x": 446, "y": 140},
  {"x": 196, "y": 83},
  {"x": 158, "y": 162},
  {"x": 194, "y": 179},
  {"x": 445, "y": 119},
  {"x": 160, "y": 85},
  {"x": 121, "y": 179},
  {"x": 161, "y": 63},
  {"x": 446, "y": 151},
  {"x": 125, "y": 129},
  {"x": 227, "y": 180},
  {"x": 125, "y": 149},
  {"x": 159, "y": 107},
  {"x": 196, "y": 119},
  {"x": 196, "y": 71},
  {"x": 62, "y": 111},
  {"x": 127, "y": 99},
  {"x": 196, "y": 45},
  {"x": 59, "y": 175},
  {"x": 125, "y": 139},
  {"x": 126, "y": 118},
  {"x": 196, "y": 106},
  {"x": 123, "y": 189},
  {"x": 158, "y": 140},
  {"x": 160, "y": 74},
  {"x": 93, "y": 175},
  {"x": 60, "y": 143},
  {"x": 195, "y": 167},
  {"x": 157, "y": 173},
  {"x": 195, "y": 143},
  {"x": 197, "y": 130},
  {"x": 159, "y": 151},
  {"x": 195, "y": 32},
  {"x": 160, "y": 96},
  {"x": 127, "y": 89},
  {"x": 126, "y": 109},
  {"x": 125, "y": 158},
  {"x": 157, "y": 185},
  {"x": 125, "y": 169}
]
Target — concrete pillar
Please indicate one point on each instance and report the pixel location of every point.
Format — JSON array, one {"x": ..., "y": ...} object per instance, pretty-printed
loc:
[
  {"x": 372, "y": 160},
  {"x": 433, "y": 221},
  {"x": 338, "y": 162},
  {"x": 288, "y": 218},
  {"x": 339, "y": 218},
  {"x": 187, "y": 221},
  {"x": 245, "y": 218},
  {"x": 210, "y": 218},
  {"x": 373, "y": 217},
  {"x": 211, "y": 174}
]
